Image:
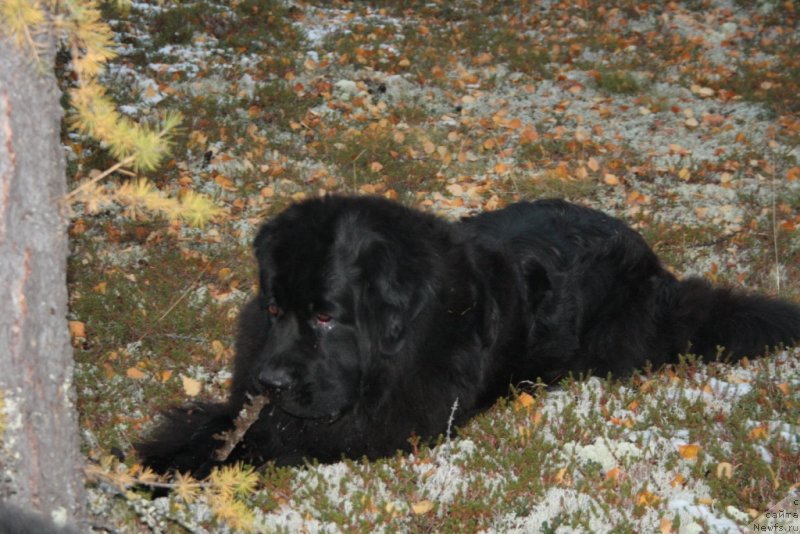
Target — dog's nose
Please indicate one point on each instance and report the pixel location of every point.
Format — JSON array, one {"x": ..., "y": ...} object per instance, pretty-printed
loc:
[{"x": 275, "y": 379}]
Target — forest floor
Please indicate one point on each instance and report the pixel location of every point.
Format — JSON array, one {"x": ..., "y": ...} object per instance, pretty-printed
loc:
[{"x": 682, "y": 118}]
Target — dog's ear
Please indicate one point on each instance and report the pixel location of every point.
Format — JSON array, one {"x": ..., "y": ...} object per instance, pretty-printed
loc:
[{"x": 396, "y": 292}]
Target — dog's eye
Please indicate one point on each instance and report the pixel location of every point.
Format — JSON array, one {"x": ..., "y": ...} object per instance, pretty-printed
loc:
[
  {"x": 273, "y": 309},
  {"x": 323, "y": 318}
]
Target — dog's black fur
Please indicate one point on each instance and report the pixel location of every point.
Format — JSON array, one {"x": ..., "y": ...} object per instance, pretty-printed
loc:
[{"x": 374, "y": 321}]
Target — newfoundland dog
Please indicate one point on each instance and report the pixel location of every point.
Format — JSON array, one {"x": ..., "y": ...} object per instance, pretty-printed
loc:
[{"x": 375, "y": 322}]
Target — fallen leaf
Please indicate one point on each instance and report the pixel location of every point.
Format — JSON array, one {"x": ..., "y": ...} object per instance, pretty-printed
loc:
[
  {"x": 614, "y": 474},
  {"x": 77, "y": 329},
  {"x": 525, "y": 400},
  {"x": 582, "y": 135},
  {"x": 191, "y": 386},
  {"x": 527, "y": 136},
  {"x": 647, "y": 498},
  {"x": 134, "y": 373},
  {"x": 593, "y": 165},
  {"x": 422, "y": 507},
  {"x": 724, "y": 470},
  {"x": 758, "y": 433},
  {"x": 689, "y": 451},
  {"x": 610, "y": 179}
]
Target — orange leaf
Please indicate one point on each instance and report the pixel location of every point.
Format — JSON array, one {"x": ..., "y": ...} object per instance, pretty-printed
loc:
[
  {"x": 793, "y": 174},
  {"x": 77, "y": 329},
  {"x": 610, "y": 179},
  {"x": 614, "y": 474},
  {"x": 527, "y": 136},
  {"x": 501, "y": 168},
  {"x": 689, "y": 451},
  {"x": 593, "y": 165},
  {"x": 375, "y": 166},
  {"x": 135, "y": 373},
  {"x": 525, "y": 400}
]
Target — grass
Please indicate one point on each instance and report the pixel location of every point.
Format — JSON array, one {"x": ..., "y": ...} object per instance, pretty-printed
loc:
[{"x": 156, "y": 298}]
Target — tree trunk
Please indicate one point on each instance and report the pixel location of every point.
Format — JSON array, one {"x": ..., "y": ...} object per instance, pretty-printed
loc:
[{"x": 40, "y": 461}]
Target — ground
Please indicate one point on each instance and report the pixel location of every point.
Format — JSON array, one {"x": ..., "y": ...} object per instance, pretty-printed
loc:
[{"x": 681, "y": 118}]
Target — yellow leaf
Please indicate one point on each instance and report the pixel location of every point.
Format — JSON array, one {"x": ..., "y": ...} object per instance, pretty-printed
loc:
[
  {"x": 679, "y": 480},
  {"x": 684, "y": 174},
  {"x": 647, "y": 498},
  {"x": 422, "y": 507},
  {"x": 724, "y": 470},
  {"x": 191, "y": 386},
  {"x": 689, "y": 451},
  {"x": 135, "y": 373},
  {"x": 665, "y": 526},
  {"x": 100, "y": 288},
  {"x": 759, "y": 432}
]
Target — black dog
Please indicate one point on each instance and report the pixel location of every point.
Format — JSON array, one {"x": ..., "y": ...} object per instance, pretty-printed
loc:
[{"x": 375, "y": 322}]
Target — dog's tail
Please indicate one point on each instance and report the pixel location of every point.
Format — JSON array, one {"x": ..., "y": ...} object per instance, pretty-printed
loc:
[
  {"x": 186, "y": 439},
  {"x": 724, "y": 322}
]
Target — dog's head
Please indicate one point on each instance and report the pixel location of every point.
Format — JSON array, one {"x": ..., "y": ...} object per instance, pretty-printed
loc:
[{"x": 341, "y": 280}]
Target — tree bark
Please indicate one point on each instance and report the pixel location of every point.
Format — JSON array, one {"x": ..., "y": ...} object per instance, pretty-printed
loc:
[{"x": 40, "y": 461}]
